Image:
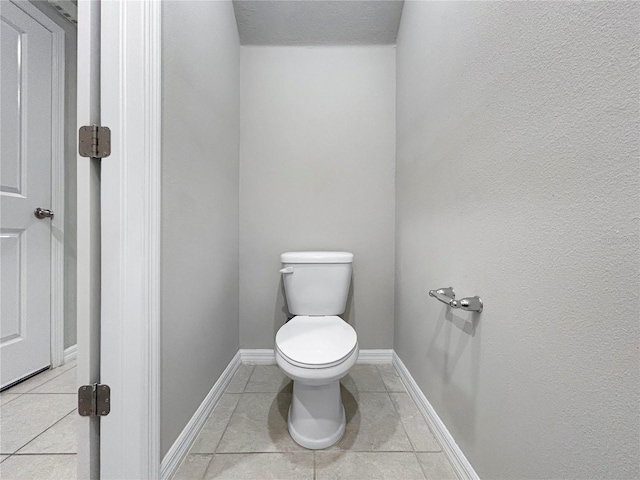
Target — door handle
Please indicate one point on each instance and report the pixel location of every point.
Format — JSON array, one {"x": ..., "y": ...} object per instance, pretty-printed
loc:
[{"x": 43, "y": 213}]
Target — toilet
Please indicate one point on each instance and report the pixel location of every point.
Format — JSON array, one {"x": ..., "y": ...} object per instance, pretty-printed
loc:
[{"x": 316, "y": 348}]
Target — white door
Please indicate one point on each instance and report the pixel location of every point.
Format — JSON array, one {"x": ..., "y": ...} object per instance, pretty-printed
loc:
[{"x": 25, "y": 184}]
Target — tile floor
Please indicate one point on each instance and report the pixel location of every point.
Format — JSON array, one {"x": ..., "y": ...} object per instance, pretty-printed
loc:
[
  {"x": 37, "y": 427},
  {"x": 246, "y": 435}
]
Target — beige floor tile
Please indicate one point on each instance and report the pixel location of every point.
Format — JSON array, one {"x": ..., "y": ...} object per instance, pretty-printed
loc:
[
  {"x": 261, "y": 466},
  {"x": 391, "y": 378},
  {"x": 414, "y": 424},
  {"x": 70, "y": 364},
  {"x": 193, "y": 467},
  {"x": 26, "y": 417},
  {"x": 373, "y": 424},
  {"x": 367, "y": 465},
  {"x": 41, "y": 467},
  {"x": 363, "y": 378},
  {"x": 268, "y": 378},
  {"x": 259, "y": 424},
  {"x": 64, "y": 383},
  {"x": 436, "y": 466},
  {"x": 60, "y": 438},
  {"x": 213, "y": 429},
  {"x": 8, "y": 397},
  {"x": 240, "y": 379}
]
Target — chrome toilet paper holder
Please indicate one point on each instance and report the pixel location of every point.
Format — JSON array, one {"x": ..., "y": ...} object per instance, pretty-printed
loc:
[{"x": 448, "y": 296}]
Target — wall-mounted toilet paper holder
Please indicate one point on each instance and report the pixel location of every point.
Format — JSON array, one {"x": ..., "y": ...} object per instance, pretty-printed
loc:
[{"x": 448, "y": 296}]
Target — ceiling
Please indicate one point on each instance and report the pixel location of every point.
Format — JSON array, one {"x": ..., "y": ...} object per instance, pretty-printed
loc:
[{"x": 318, "y": 22}]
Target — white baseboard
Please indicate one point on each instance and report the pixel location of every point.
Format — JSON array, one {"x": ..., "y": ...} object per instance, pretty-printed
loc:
[
  {"x": 258, "y": 356},
  {"x": 265, "y": 356},
  {"x": 181, "y": 446},
  {"x": 375, "y": 357},
  {"x": 70, "y": 353},
  {"x": 450, "y": 448}
]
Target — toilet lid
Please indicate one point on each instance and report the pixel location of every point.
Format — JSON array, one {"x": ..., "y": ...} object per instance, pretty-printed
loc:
[{"x": 316, "y": 341}]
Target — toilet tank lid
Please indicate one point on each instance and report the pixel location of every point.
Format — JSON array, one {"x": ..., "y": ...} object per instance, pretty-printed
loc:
[{"x": 316, "y": 257}]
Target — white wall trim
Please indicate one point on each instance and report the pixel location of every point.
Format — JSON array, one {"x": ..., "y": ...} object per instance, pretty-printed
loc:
[
  {"x": 375, "y": 357},
  {"x": 183, "y": 443},
  {"x": 130, "y": 199},
  {"x": 450, "y": 448},
  {"x": 57, "y": 179},
  {"x": 70, "y": 353},
  {"x": 265, "y": 356},
  {"x": 57, "y": 199},
  {"x": 258, "y": 356}
]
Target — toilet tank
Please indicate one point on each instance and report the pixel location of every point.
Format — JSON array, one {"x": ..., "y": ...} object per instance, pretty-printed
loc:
[{"x": 316, "y": 283}]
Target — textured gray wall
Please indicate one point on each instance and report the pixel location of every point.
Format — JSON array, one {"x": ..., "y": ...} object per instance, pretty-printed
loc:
[
  {"x": 517, "y": 180},
  {"x": 200, "y": 81},
  {"x": 317, "y": 173}
]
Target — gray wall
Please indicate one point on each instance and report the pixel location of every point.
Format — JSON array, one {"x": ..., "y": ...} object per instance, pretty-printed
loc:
[
  {"x": 517, "y": 180},
  {"x": 200, "y": 79},
  {"x": 70, "y": 232},
  {"x": 317, "y": 173}
]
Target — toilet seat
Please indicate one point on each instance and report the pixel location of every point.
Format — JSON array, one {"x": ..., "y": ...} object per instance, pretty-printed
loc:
[{"x": 316, "y": 341}]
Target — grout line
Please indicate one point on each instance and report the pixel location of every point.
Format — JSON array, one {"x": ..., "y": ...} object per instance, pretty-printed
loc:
[
  {"x": 206, "y": 469},
  {"x": 215, "y": 449},
  {"x": 41, "y": 433},
  {"x": 43, "y": 454},
  {"x": 400, "y": 379},
  {"x": 422, "y": 469},
  {"x": 413, "y": 448},
  {"x": 244, "y": 387},
  {"x": 253, "y": 371},
  {"x": 407, "y": 433},
  {"x": 228, "y": 421},
  {"x": 314, "y": 466},
  {"x": 308, "y": 452},
  {"x": 50, "y": 393},
  {"x": 18, "y": 395}
]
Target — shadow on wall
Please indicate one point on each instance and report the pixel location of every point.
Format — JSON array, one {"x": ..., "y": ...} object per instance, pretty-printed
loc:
[
  {"x": 456, "y": 338},
  {"x": 349, "y": 315},
  {"x": 281, "y": 309}
]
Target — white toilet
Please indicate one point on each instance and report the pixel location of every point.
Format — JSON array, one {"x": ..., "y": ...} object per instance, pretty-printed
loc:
[{"x": 316, "y": 348}]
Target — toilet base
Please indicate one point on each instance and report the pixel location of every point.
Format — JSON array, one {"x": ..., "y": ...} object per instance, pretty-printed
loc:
[{"x": 316, "y": 415}]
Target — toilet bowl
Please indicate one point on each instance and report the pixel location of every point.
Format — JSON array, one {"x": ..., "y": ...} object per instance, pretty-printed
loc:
[
  {"x": 316, "y": 348},
  {"x": 316, "y": 352}
]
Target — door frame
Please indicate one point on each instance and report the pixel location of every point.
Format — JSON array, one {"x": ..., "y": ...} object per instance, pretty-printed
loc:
[
  {"x": 130, "y": 240},
  {"x": 57, "y": 177}
]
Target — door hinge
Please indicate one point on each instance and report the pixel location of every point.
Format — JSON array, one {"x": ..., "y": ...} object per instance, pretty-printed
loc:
[
  {"x": 94, "y": 400},
  {"x": 94, "y": 141}
]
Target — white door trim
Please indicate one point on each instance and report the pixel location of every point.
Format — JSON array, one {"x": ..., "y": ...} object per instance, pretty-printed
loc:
[
  {"x": 130, "y": 212},
  {"x": 57, "y": 179},
  {"x": 88, "y": 235}
]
